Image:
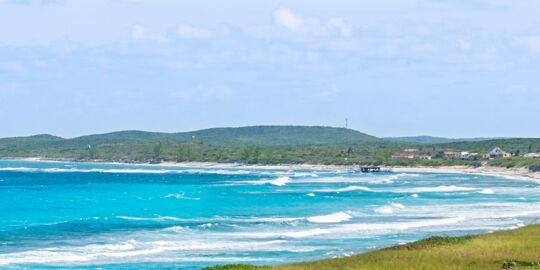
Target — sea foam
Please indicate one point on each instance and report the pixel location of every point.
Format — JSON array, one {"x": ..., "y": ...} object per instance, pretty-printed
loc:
[
  {"x": 281, "y": 181},
  {"x": 349, "y": 188},
  {"x": 486, "y": 191},
  {"x": 437, "y": 189},
  {"x": 332, "y": 218}
]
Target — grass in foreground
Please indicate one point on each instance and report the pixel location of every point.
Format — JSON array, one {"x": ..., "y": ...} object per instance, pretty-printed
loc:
[{"x": 512, "y": 249}]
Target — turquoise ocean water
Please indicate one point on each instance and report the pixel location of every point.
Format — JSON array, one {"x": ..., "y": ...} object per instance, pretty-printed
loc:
[{"x": 83, "y": 215}]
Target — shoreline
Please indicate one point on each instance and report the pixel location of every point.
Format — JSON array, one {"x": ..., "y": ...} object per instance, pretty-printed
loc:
[{"x": 460, "y": 169}]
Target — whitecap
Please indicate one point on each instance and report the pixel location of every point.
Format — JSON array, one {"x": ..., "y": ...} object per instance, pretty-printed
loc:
[
  {"x": 19, "y": 169},
  {"x": 436, "y": 189},
  {"x": 372, "y": 228},
  {"x": 281, "y": 181},
  {"x": 349, "y": 188},
  {"x": 398, "y": 205},
  {"x": 149, "y": 219},
  {"x": 384, "y": 210},
  {"x": 311, "y": 194},
  {"x": 414, "y": 195},
  {"x": 486, "y": 191},
  {"x": 389, "y": 209},
  {"x": 179, "y": 196},
  {"x": 332, "y": 218}
]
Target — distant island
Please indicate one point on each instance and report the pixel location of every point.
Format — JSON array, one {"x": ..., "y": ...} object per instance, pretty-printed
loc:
[{"x": 272, "y": 145}]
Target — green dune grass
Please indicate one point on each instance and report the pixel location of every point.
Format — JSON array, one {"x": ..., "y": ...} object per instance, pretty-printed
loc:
[{"x": 511, "y": 249}]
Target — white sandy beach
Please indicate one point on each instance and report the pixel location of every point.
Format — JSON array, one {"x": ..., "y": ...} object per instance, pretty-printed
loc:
[{"x": 484, "y": 170}]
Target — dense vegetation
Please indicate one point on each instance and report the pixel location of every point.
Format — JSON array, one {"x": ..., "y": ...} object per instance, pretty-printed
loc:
[
  {"x": 512, "y": 249},
  {"x": 261, "y": 145}
]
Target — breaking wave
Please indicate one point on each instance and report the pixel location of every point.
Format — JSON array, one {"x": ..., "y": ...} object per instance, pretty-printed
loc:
[
  {"x": 349, "y": 188},
  {"x": 332, "y": 218},
  {"x": 437, "y": 189}
]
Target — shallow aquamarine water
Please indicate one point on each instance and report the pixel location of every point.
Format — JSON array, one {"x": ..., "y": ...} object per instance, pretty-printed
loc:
[{"x": 86, "y": 215}]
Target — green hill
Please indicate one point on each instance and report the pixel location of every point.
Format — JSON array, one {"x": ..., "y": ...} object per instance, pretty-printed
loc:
[
  {"x": 215, "y": 144},
  {"x": 279, "y": 135},
  {"x": 238, "y": 136}
]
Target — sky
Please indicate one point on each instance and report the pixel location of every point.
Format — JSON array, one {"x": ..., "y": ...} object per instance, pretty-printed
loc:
[{"x": 466, "y": 68}]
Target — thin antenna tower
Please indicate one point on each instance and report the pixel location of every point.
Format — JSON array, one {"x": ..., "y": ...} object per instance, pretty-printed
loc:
[{"x": 346, "y": 122}]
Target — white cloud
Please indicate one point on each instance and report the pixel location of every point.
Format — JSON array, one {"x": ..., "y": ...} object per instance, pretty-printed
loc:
[
  {"x": 192, "y": 32},
  {"x": 30, "y": 2},
  {"x": 425, "y": 48},
  {"x": 463, "y": 44},
  {"x": 15, "y": 66},
  {"x": 344, "y": 28},
  {"x": 490, "y": 52},
  {"x": 287, "y": 19},
  {"x": 531, "y": 42},
  {"x": 517, "y": 89},
  {"x": 217, "y": 92},
  {"x": 8, "y": 87},
  {"x": 205, "y": 92},
  {"x": 139, "y": 33}
]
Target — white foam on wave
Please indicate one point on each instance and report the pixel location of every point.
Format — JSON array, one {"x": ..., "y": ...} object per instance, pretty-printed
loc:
[
  {"x": 19, "y": 169},
  {"x": 180, "y": 196},
  {"x": 393, "y": 226},
  {"x": 352, "y": 178},
  {"x": 280, "y": 181},
  {"x": 436, "y": 189},
  {"x": 349, "y": 188},
  {"x": 486, "y": 191},
  {"x": 389, "y": 209},
  {"x": 332, "y": 218},
  {"x": 219, "y": 171},
  {"x": 384, "y": 180},
  {"x": 128, "y": 170},
  {"x": 390, "y": 179},
  {"x": 384, "y": 210},
  {"x": 483, "y": 214},
  {"x": 55, "y": 170},
  {"x": 368, "y": 228},
  {"x": 135, "y": 251},
  {"x": 217, "y": 219},
  {"x": 150, "y": 219},
  {"x": 398, "y": 205},
  {"x": 414, "y": 195},
  {"x": 520, "y": 178}
]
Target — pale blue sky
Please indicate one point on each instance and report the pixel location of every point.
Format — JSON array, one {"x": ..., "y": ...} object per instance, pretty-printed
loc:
[{"x": 400, "y": 67}]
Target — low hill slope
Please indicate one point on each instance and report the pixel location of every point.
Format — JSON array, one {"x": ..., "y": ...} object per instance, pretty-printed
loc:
[
  {"x": 240, "y": 136},
  {"x": 279, "y": 135}
]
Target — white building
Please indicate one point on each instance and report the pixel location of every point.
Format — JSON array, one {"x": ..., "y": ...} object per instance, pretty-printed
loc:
[{"x": 497, "y": 152}]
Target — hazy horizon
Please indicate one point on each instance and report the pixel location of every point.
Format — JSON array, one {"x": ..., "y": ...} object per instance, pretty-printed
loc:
[{"x": 393, "y": 68}]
